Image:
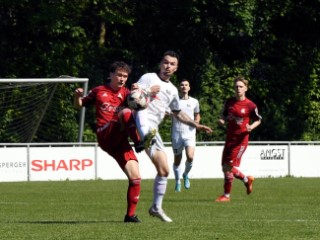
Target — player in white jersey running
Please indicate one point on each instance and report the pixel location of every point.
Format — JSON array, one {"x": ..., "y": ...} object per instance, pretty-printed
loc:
[
  {"x": 184, "y": 136},
  {"x": 164, "y": 95}
]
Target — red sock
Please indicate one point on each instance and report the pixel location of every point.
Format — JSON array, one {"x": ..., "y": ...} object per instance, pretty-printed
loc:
[
  {"x": 228, "y": 179},
  {"x": 133, "y": 195},
  {"x": 237, "y": 173},
  {"x": 130, "y": 125}
]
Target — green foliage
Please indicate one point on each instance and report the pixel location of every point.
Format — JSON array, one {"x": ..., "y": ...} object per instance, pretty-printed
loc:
[
  {"x": 312, "y": 104},
  {"x": 275, "y": 44}
]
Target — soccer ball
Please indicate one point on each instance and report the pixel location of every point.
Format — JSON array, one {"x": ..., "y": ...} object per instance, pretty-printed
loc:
[{"x": 138, "y": 99}]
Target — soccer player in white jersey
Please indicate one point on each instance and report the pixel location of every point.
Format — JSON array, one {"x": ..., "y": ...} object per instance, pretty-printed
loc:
[
  {"x": 164, "y": 95},
  {"x": 184, "y": 136}
]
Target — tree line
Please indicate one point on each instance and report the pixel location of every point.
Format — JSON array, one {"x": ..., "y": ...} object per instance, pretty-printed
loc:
[{"x": 275, "y": 44}]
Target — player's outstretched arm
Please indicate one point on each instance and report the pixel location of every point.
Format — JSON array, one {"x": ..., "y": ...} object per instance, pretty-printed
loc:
[
  {"x": 253, "y": 125},
  {"x": 183, "y": 117},
  {"x": 204, "y": 128}
]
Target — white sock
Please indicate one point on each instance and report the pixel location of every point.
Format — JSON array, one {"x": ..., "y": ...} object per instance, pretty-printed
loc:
[
  {"x": 159, "y": 189},
  {"x": 142, "y": 123},
  {"x": 188, "y": 168},
  {"x": 245, "y": 179},
  {"x": 176, "y": 170}
]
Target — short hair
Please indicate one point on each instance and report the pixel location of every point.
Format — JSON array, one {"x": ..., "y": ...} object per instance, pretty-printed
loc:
[
  {"x": 120, "y": 65},
  {"x": 171, "y": 54},
  {"x": 241, "y": 79},
  {"x": 184, "y": 80}
]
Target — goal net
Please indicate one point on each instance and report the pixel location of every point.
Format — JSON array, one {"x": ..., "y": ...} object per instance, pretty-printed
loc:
[{"x": 40, "y": 110}]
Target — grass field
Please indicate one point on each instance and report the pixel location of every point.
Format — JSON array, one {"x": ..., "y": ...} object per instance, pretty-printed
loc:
[{"x": 278, "y": 208}]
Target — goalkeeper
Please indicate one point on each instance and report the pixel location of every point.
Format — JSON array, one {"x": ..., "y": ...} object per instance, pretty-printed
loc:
[{"x": 114, "y": 124}]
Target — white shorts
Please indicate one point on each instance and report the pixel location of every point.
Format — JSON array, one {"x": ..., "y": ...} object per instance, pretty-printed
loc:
[
  {"x": 179, "y": 142},
  {"x": 158, "y": 145}
]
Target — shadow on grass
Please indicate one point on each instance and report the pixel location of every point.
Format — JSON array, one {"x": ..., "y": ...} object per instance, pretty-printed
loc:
[{"x": 66, "y": 222}]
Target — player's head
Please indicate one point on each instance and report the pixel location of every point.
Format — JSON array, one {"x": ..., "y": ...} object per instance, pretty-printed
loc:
[
  {"x": 184, "y": 86},
  {"x": 240, "y": 86},
  {"x": 119, "y": 73},
  {"x": 170, "y": 53},
  {"x": 119, "y": 65},
  {"x": 168, "y": 64},
  {"x": 241, "y": 79}
]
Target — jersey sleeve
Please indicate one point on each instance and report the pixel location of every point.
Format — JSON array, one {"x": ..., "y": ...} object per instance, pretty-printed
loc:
[
  {"x": 254, "y": 114},
  {"x": 175, "y": 103},
  {"x": 90, "y": 98},
  {"x": 197, "y": 106},
  {"x": 144, "y": 81}
]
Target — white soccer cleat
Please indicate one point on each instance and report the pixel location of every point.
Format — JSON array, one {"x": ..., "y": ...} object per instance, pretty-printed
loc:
[{"x": 159, "y": 214}]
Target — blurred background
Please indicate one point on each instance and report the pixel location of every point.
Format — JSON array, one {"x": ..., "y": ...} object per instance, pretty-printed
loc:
[{"x": 275, "y": 44}]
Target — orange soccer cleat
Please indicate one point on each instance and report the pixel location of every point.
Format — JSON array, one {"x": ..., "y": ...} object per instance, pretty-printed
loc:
[
  {"x": 249, "y": 184},
  {"x": 223, "y": 198}
]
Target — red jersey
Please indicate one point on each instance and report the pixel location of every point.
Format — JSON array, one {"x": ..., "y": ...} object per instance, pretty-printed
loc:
[
  {"x": 108, "y": 102},
  {"x": 237, "y": 115}
]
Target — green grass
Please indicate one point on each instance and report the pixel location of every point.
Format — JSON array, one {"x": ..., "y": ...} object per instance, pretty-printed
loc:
[{"x": 278, "y": 208}]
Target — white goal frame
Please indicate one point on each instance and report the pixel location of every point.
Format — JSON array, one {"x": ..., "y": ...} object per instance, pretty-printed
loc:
[{"x": 62, "y": 79}]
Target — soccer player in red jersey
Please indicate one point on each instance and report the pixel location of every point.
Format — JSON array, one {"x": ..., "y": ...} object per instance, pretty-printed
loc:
[
  {"x": 115, "y": 123},
  {"x": 241, "y": 116}
]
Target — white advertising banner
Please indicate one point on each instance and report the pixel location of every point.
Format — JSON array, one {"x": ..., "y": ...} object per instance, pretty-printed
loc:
[
  {"x": 207, "y": 164},
  {"x": 259, "y": 161},
  {"x": 265, "y": 161},
  {"x": 305, "y": 160},
  {"x": 61, "y": 163},
  {"x": 13, "y": 164},
  {"x": 108, "y": 168},
  {"x": 39, "y": 163}
]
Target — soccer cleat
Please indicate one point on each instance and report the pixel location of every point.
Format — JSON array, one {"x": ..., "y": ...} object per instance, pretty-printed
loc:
[
  {"x": 139, "y": 147},
  {"x": 159, "y": 214},
  {"x": 132, "y": 219},
  {"x": 148, "y": 141},
  {"x": 186, "y": 181},
  {"x": 249, "y": 184},
  {"x": 223, "y": 198},
  {"x": 177, "y": 187}
]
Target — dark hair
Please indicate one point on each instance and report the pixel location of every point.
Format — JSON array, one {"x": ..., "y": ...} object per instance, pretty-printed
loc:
[
  {"x": 171, "y": 54},
  {"x": 120, "y": 65},
  {"x": 184, "y": 80}
]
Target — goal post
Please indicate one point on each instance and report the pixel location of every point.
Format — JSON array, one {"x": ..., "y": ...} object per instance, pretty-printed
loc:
[{"x": 25, "y": 101}]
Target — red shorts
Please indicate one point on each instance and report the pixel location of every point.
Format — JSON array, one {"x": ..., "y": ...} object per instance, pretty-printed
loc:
[
  {"x": 116, "y": 143},
  {"x": 232, "y": 154}
]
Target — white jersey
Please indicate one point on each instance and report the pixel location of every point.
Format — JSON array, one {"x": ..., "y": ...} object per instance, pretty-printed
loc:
[
  {"x": 168, "y": 97},
  {"x": 190, "y": 106}
]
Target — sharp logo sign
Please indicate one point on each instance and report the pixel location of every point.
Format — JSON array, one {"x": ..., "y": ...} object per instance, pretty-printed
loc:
[
  {"x": 61, "y": 165},
  {"x": 272, "y": 154}
]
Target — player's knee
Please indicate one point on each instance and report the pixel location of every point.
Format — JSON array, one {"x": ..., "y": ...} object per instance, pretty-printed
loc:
[
  {"x": 136, "y": 181},
  {"x": 125, "y": 115},
  {"x": 163, "y": 172},
  {"x": 228, "y": 177},
  {"x": 226, "y": 168}
]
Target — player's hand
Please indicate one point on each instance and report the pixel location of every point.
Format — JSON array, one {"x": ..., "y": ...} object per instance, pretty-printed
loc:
[
  {"x": 221, "y": 122},
  {"x": 204, "y": 128},
  {"x": 249, "y": 129},
  {"x": 78, "y": 92},
  {"x": 154, "y": 90}
]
